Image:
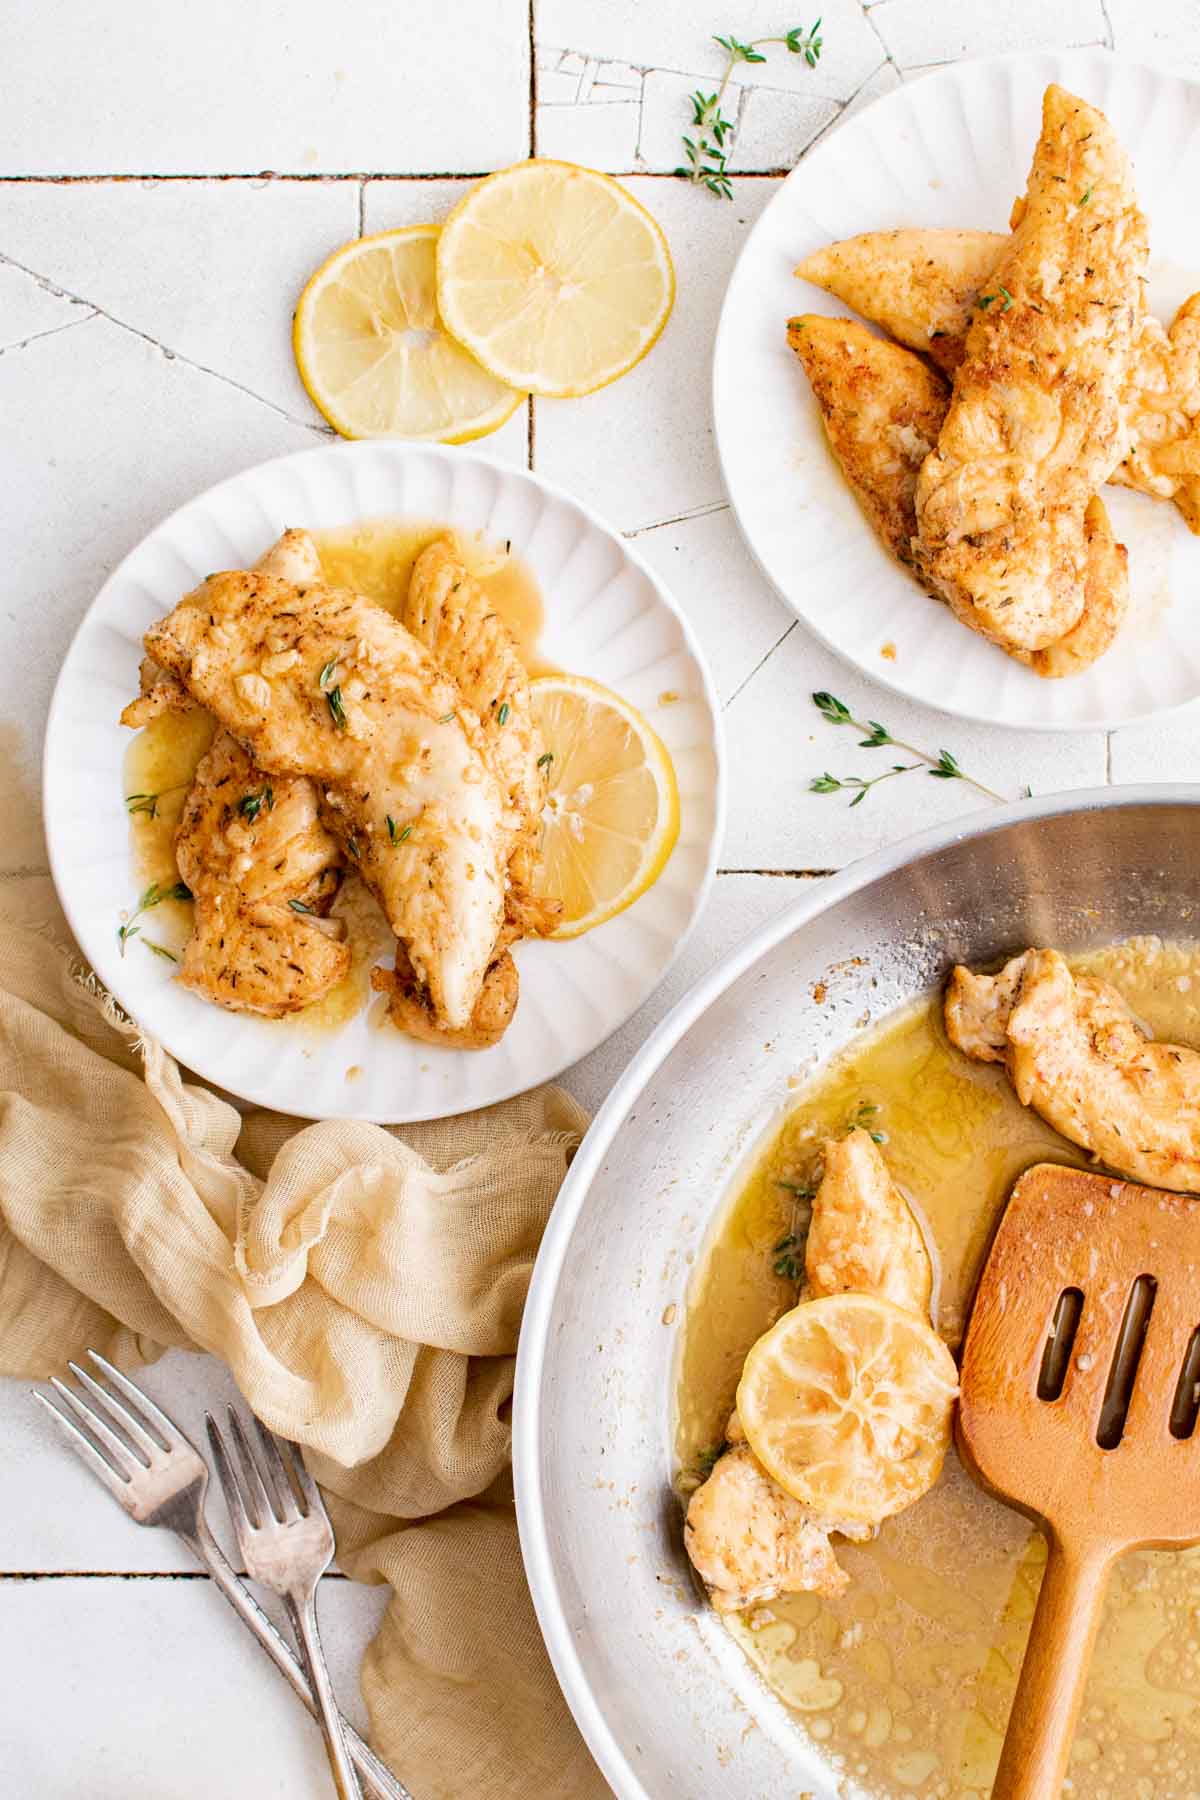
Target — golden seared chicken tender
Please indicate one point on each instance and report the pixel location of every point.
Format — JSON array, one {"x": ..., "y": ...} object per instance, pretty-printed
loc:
[
  {"x": 923, "y": 286},
  {"x": 1036, "y": 424},
  {"x": 320, "y": 682},
  {"x": 1163, "y": 411},
  {"x": 254, "y": 852},
  {"x": 1076, "y": 1054},
  {"x": 450, "y": 613},
  {"x": 920, "y": 285},
  {"x": 882, "y": 407},
  {"x": 863, "y": 1238},
  {"x": 748, "y": 1539}
]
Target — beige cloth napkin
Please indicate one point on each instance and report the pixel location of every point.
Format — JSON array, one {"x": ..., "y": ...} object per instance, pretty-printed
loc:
[{"x": 366, "y": 1291}]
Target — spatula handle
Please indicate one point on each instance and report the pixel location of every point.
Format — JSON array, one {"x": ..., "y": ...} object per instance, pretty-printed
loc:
[{"x": 1046, "y": 1705}]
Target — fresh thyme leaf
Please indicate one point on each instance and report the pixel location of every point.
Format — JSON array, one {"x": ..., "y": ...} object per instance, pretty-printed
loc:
[
  {"x": 299, "y": 906},
  {"x": 326, "y": 675},
  {"x": 803, "y": 1190},
  {"x": 160, "y": 950},
  {"x": 944, "y": 765},
  {"x": 985, "y": 300},
  {"x": 546, "y": 758},
  {"x": 142, "y": 803},
  {"x": 406, "y": 833},
  {"x": 152, "y": 896},
  {"x": 860, "y": 1120},
  {"x": 250, "y": 805},
  {"x": 391, "y": 825},
  {"x": 1086, "y": 196},
  {"x": 502, "y": 715},
  {"x": 337, "y": 711},
  {"x": 706, "y": 155},
  {"x": 946, "y": 768},
  {"x": 833, "y": 709},
  {"x": 1008, "y": 300},
  {"x": 708, "y": 1459},
  {"x": 397, "y": 837},
  {"x": 446, "y": 718},
  {"x": 788, "y": 1265}
]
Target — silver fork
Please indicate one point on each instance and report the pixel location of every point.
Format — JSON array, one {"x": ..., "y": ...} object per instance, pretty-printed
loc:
[
  {"x": 159, "y": 1478},
  {"x": 286, "y": 1541}
]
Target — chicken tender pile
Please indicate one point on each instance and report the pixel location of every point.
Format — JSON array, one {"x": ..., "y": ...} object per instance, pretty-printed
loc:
[
  {"x": 748, "y": 1539},
  {"x": 1032, "y": 369},
  {"x": 350, "y": 742}
]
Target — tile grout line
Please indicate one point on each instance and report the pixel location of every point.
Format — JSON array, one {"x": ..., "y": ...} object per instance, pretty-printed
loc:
[
  {"x": 35, "y": 337},
  {"x": 261, "y": 179},
  {"x": 704, "y": 511},
  {"x": 362, "y": 207},
  {"x": 743, "y": 684}
]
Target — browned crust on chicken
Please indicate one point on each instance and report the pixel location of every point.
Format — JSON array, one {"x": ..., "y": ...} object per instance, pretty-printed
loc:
[
  {"x": 749, "y": 1540},
  {"x": 863, "y": 1238},
  {"x": 253, "y": 851},
  {"x": 1036, "y": 423},
  {"x": 410, "y": 1010},
  {"x": 1076, "y": 1054}
]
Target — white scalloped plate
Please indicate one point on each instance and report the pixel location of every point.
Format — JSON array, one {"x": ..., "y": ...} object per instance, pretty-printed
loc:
[
  {"x": 607, "y": 616},
  {"x": 951, "y": 149}
]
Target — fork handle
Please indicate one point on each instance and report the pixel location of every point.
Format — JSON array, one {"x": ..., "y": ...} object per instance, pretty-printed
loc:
[
  {"x": 303, "y": 1615},
  {"x": 377, "y": 1778},
  {"x": 1046, "y": 1705}
]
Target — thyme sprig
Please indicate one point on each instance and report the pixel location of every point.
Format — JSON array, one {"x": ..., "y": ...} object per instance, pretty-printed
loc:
[
  {"x": 862, "y": 1119},
  {"x": 943, "y": 767},
  {"x": 154, "y": 895},
  {"x": 148, "y": 803},
  {"x": 706, "y": 155}
]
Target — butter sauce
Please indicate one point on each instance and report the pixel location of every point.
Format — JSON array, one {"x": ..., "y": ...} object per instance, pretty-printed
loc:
[{"x": 905, "y": 1681}]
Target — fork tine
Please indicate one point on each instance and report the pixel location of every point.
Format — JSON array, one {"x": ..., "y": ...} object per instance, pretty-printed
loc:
[
  {"x": 227, "y": 1476},
  {"x": 112, "y": 1407},
  {"x": 170, "y": 1433},
  {"x": 120, "y": 1455},
  {"x": 313, "y": 1503},
  {"x": 253, "y": 1487},
  {"x": 277, "y": 1475},
  {"x": 86, "y": 1451}
]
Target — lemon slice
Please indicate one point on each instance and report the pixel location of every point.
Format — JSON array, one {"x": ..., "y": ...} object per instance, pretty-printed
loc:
[
  {"x": 555, "y": 277},
  {"x": 612, "y": 812},
  {"x": 374, "y": 355},
  {"x": 847, "y": 1403}
]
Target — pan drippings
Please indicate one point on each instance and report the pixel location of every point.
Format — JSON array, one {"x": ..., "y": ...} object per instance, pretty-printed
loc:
[{"x": 905, "y": 1681}]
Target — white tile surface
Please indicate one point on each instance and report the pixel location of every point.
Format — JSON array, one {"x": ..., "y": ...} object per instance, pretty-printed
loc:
[
  {"x": 641, "y": 451},
  {"x": 226, "y": 88},
  {"x": 146, "y": 354},
  {"x": 218, "y": 269},
  {"x": 152, "y": 1690}
]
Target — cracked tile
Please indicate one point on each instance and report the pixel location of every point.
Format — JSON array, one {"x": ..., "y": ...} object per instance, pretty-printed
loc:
[
  {"x": 642, "y": 449},
  {"x": 603, "y": 134},
  {"x": 731, "y": 608},
  {"x": 29, "y": 309},
  {"x": 671, "y": 39},
  {"x": 209, "y": 269},
  {"x": 772, "y": 727},
  {"x": 113, "y": 436},
  {"x": 227, "y": 88},
  {"x": 390, "y": 204},
  {"x": 944, "y": 30}
]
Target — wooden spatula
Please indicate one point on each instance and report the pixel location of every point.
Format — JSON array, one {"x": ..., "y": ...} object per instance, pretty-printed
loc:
[{"x": 1080, "y": 1393}]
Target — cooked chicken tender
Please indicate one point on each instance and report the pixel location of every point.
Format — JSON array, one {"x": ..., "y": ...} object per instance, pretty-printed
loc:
[
  {"x": 320, "y": 682},
  {"x": 1036, "y": 424},
  {"x": 863, "y": 1238},
  {"x": 1076, "y": 1054},
  {"x": 920, "y": 285},
  {"x": 748, "y": 1539},
  {"x": 882, "y": 407},
  {"x": 451, "y": 614},
  {"x": 254, "y": 853},
  {"x": 160, "y": 693},
  {"x": 923, "y": 286},
  {"x": 410, "y": 1010}
]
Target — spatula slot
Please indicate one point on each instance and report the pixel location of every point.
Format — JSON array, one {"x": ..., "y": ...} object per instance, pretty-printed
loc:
[
  {"x": 1185, "y": 1408},
  {"x": 1056, "y": 1357},
  {"x": 1128, "y": 1353}
]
